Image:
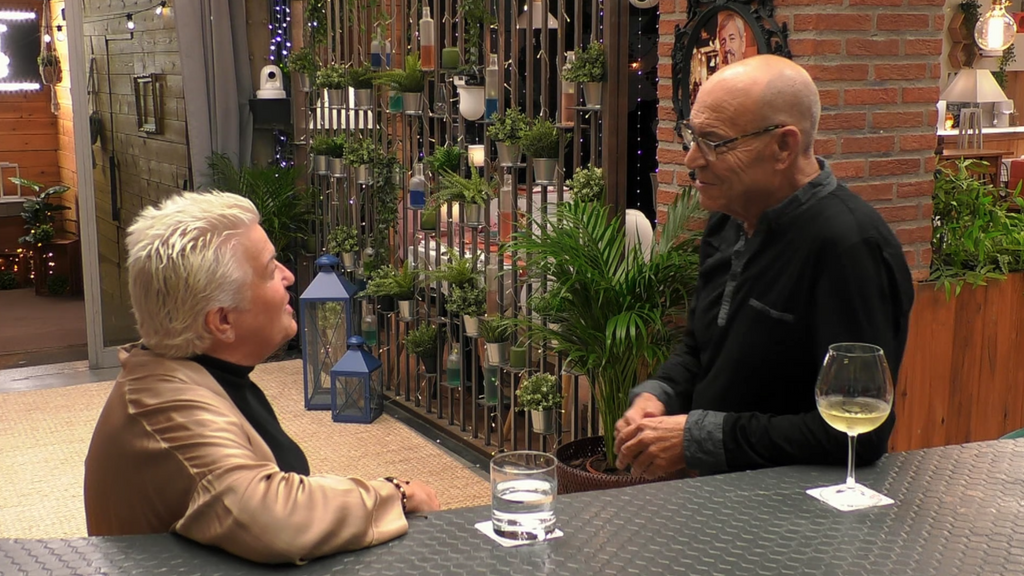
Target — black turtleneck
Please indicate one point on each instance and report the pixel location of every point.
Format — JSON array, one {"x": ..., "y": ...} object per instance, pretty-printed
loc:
[{"x": 253, "y": 404}]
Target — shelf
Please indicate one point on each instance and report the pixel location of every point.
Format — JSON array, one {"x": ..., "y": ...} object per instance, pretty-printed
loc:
[{"x": 586, "y": 108}]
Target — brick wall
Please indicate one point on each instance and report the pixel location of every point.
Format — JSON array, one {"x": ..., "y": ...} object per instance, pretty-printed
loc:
[{"x": 876, "y": 63}]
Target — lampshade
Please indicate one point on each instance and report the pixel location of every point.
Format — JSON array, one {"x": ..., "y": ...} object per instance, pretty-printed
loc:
[
  {"x": 523, "y": 20},
  {"x": 973, "y": 85},
  {"x": 476, "y": 155}
]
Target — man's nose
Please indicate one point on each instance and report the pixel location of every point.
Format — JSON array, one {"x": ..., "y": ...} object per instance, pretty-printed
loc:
[{"x": 694, "y": 159}]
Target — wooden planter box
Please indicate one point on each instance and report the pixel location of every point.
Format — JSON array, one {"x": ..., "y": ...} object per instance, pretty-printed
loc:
[{"x": 962, "y": 378}]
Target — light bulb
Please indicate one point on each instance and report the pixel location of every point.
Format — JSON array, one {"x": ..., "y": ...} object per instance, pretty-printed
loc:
[
  {"x": 996, "y": 29},
  {"x": 130, "y": 23},
  {"x": 161, "y": 7},
  {"x": 47, "y": 38},
  {"x": 61, "y": 36}
]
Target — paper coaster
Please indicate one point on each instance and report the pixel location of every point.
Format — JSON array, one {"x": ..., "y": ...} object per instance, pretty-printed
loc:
[
  {"x": 879, "y": 499},
  {"x": 487, "y": 528}
]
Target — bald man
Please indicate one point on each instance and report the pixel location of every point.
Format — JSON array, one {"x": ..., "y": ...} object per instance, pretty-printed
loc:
[{"x": 791, "y": 262}]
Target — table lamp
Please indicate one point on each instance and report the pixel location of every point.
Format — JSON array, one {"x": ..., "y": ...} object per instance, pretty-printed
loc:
[{"x": 974, "y": 86}]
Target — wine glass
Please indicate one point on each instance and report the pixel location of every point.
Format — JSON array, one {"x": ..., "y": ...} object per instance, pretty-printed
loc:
[{"x": 854, "y": 395}]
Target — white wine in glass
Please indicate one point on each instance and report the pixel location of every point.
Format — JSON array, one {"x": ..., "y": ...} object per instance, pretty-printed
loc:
[{"x": 854, "y": 395}]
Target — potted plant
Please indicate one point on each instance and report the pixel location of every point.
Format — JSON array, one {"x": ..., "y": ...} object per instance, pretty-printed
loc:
[
  {"x": 470, "y": 301},
  {"x": 423, "y": 342},
  {"x": 359, "y": 153},
  {"x": 540, "y": 395},
  {"x": 303, "y": 63},
  {"x": 8, "y": 281},
  {"x": 456, "y": 271},
  {"x": 38, "y": 212},
  {"x": 590, "y": 69},
  {"x": 344, "y": 240},
  {"x": 542, "y": 143},
  {"x": 389, "y": 285},
  {"x": 587, "y": 184},
  {"x": 549, "y": 307},
  {"x": 507, "y": 131},
  {"x": 620, "y": 312},
  {"x": 497, "y": 335},
  {"x": 321, "y": 148},
  {"x": 49, "y": 67},
  {"x": 361, "y": 80},
  {"x": 474, "y": 193},
  {"x": 336, "y": 152},
  {"x": 410, "y": 82},
  {"x": 446, "y": 158},
  {"x": 334, "y": 79}
]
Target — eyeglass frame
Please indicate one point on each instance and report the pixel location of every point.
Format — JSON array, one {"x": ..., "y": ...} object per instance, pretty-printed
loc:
[{"x": 708, "y": 148}]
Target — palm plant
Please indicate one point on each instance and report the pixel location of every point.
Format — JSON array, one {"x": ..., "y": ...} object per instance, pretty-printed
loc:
[
  {"x": 39, "y": 213},
  {"x": 619, "y": 313}
]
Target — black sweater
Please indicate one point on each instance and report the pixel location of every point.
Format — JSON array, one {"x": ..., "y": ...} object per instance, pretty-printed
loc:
[{"x": 823, "y": 267}]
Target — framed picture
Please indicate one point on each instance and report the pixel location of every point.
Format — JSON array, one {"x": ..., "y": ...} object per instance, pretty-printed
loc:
[
  {"x": 147, "y": 103},
  {"x": 719, "y": 33}
]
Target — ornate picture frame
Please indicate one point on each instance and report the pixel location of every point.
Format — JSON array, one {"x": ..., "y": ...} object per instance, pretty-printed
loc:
[
  {"x": 147, "y": 103},
  {"x": 717, "y": 33}
]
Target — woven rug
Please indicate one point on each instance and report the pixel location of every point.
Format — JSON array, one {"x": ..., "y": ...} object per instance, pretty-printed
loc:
[{"x": 44, "y": 436}]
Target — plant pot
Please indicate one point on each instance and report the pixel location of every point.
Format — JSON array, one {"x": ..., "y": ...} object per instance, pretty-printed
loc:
[
  {"x": 470, "y": 325},
  {"x": 508, "y": 154},
  {"x": 364, "y": 98},
  {"x": 337, "y": 167},
  {"x": 412, "y": 103},
  {"x": 577, "y": 478},
  {"x": 51, "y": 74},
  {"x": 320, "y": 164},
  {"x": 405, "y": 309},
  {"x": 386, "y": 304},
  {"x": 473, "y": 215},
  {"x": 497, "y": 353},
  {"x": 348, "y": 259},
  {"x": 592, "y": 94},
  {"x": 429, "y": 364},
  {"x": 304, "y": 84},
  {"x": 543, "y": 421},
  {"x": 335, "y": 98},
  {"x": 450, "y": 58},
  {"x": 544, "y": 170},
  {"x": 517, "y": 357},
  {"x": 363, "y": 173}
]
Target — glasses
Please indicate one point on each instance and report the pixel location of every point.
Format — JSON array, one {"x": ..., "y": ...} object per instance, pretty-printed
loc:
[{"x": 708, "y": 148}]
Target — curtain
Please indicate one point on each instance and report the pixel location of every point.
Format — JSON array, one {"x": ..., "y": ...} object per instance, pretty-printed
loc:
[{"x": 216, "y": 80}]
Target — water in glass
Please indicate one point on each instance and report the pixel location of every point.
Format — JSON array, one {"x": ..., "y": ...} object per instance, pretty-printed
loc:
[{"x": 523, "y": 488}]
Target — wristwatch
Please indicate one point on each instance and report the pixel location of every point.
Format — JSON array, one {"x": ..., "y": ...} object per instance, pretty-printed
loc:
[{"x": 401, "y": 490}]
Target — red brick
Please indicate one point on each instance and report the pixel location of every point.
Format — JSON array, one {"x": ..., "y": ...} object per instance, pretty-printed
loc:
[
  {"x": 831, "y": 21},
  {"x": 662, "y": 215},
  {"x": 666, "y": 176},
  {"x": 911, "y": 257},
  {"x": 894, "y": 166},
  {"x": 665, "y": 48},
  {"x": 665, "y": 90},
  {"x": 939, "y": 21},
  {"x": 922, "y": 46},
  {"x": 925, "y": 95},
  {"x": 815, "y": 47},
  {"x": 904, "y": 213},
  {"x": 847, "y": 169},
  {"x": 825, "y": 146},
  {"x": 867, "y": 144},
  {"x": 870, "y": 47},
  {"x": 670, "y": 156},
  {"x": 915, "y": 71},
  {"x": 666, "y": 113},
  {"x": 666, "y": 135},
  {"x": 843, "y": 121},
  {"x": 918, "y": 142},
  {"x": 926, "y": 256},
  {"x": 872, "y": 192},
  {"x": 911, "y": 235},
  {"x": 935, "y": 71},
  {"x": 902, "y": 21},
  {"x": 876, "y": 2},
  {"x": 862, "y": 96},
  {"x": 915, "y": 189},
  {"x": 897, "y": 119},
  {"x": 667, "y": 196},
  {"x": 665, "y": 71},
  {"x": 666, "y": 26},
  {"x": 920, "y": 274},
  {"x": 930, "y": 164},
  {"x": 926, "y": 211},
  {"x": 846, "y": 72},
  {"x": 808, "y": 2},
  {"x": 830, "y": 97}
]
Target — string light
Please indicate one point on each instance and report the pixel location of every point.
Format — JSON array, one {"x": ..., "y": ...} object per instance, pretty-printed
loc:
[
  {"x": 60, "y": 33},
  {"x": 129, "y": 23},
  {"x": 280, "y": 22},
  {"x": 160, "y": 9},
  {"x": 47, "y": 38}
]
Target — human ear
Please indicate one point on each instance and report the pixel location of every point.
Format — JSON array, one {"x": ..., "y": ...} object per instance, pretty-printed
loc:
[
  {"x": 218, "y": 322},
  {"x": 788, "y": 146}
]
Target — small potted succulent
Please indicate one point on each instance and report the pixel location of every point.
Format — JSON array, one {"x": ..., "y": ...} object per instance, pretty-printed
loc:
[
  {"x": 359, "y": 153},
  {"x": 321, "y": 148},
  {"x": 590, "y": 69},
  {"x": 587, "y": 184},
  {"x": 507, "y": 131},
  {"x": 474, "y": 193},
  {"x": 303, "y": 63},
  {"x": 334, "y": 79},
  {"x": 361, "y": 80},
  {"x": 410, "y": 82},
  {"x": 345, "y": 241},
  {"x": 423, "y": 342},
  {"x": 336, "y": 152},
  {"x": 540, "y": 395},
  {"x": 542, "y": 143},
  {"x": 497, "y": 336}
]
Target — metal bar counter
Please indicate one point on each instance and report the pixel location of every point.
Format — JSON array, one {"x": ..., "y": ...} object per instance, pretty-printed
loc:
[{"x": 959, "y": 510}]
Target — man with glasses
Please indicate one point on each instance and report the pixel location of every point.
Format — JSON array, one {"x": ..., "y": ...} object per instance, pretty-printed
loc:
[{"x": 791, "y": 262}]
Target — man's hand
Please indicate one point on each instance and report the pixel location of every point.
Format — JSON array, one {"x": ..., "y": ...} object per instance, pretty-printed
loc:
[
  {"x": 420, "y": 498},
  {"x": 653, "y": 446},
  {"x": 645, "y": 405}
]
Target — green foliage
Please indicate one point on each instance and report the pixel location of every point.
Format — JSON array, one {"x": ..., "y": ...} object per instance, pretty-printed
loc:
[
  {"x": 48, "y": 59},
  {"x": 302, "y": 61},
  {"x": 384, "y": 195},
  {"x": 495, "y": 330},
  {"x": 467, "y": 300},
  {"x": 972, "y": 12},
  {"x": 336, "y": 146},
  {"x": 329, "y": 315},
  {"x": 590, "y": 65},
  {"x": 549, "y": 305},
  {"x": 342, "y": 239},
  {"x": 1009, "y": 56},
  {"x": 38, "y": 212},
  {"x": 457, "y": 271},
  {"x": 8, "y": 281},
  {"x": 386, "y": 281},
  {"x": 361, "y": 78},
  {"x": 539, "y": 392},
  {"x": 410, "y": 79},
  {"x": 975, "y": 234},
  {"x": 360, "y": 151},
  {"x": 316, "y": 21},
  {"x": 57, "y": 285},
  {"x": 445, "y": 158},
  {"x": 322, "y": 145},
  {"x": 454, "y": 188},
  {"x": 332, "y": 77},
  {"x": 476, "y": 17},
  {"x": 423, "y": 341},
  {"x": 509, "y": 127},
  {"x": 542, "y": 140},
  {"x": 619, "y": 313},
  {"x": 283, "y": 206},
  {"x": 587, "y": 184}
]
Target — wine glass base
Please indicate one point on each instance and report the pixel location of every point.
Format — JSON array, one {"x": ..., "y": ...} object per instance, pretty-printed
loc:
[{"x": 845, "y": 498}]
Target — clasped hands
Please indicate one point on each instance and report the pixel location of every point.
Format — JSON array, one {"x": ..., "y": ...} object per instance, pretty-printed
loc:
[{"x": 649, "y": 441}]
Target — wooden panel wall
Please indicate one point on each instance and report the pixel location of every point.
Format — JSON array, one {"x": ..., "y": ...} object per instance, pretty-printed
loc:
[
  {"x": 68, "y": 174},
  {"x": 962, "y": 378}
]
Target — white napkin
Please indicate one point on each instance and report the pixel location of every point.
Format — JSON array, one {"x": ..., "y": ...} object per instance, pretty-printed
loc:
[
  {"x": 881, "y": 500},
  {"x": 487, "y": 528}
]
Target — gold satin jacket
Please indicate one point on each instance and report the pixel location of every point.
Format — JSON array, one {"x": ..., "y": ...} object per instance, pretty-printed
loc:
[{"x": 172, "y": 453}]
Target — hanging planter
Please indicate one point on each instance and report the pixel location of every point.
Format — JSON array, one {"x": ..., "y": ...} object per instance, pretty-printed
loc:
[
  {"x": 304, "y": 83},
  {"x": 321, "y": 148},
  {"x": 360, "y": 153},
  {"x": 471, "y": 97},
  {"x": 335, "y": 98},
  {"x": 49, "y": 67},
  {"x": 497, "y": 353}
]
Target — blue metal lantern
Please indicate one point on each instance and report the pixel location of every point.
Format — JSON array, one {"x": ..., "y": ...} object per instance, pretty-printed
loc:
[
  {"x": 325, "y": 322},
  {"x": 357, "y": 385}
]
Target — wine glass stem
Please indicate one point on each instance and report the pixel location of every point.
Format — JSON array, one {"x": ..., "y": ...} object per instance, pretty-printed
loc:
[{"x": 850, "y": 481}]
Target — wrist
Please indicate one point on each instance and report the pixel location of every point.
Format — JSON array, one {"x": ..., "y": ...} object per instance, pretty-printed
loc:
[{"x": 401, "y": 490}]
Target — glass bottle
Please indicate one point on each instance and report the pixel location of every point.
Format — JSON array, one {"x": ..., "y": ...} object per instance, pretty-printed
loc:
[
  {"x": 369, "y": 325},
  {"x": 453, "y": 368},
  {"x": 417, "y": 188},
  {"x": 568, "y": 94},
  {"x": 505, "y": 212},
  {"x": 375, "y": 58},
  {"x": 492, "y": 87},
  {"x": 427, "y": 55}
]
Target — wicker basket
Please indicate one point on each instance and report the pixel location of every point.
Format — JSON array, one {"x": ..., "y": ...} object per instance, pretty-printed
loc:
[{"x": 572, "y": 480}]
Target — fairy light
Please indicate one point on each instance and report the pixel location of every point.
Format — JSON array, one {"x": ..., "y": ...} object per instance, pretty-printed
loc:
[
  {"x": 60, "y": 33},
  {"x": 129, "y": 21},
  {"x": 161, "y": 8},
  {"x": 280, "y": 21}
]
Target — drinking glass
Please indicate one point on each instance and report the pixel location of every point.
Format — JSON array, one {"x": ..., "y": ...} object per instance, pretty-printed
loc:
[
  {"x": 854, "y": 395},
  {"x": 523, "y": 488}
]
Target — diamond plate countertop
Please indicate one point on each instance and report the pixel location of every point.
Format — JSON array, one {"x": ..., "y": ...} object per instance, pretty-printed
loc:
[{"x": 959, "y": 510}]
